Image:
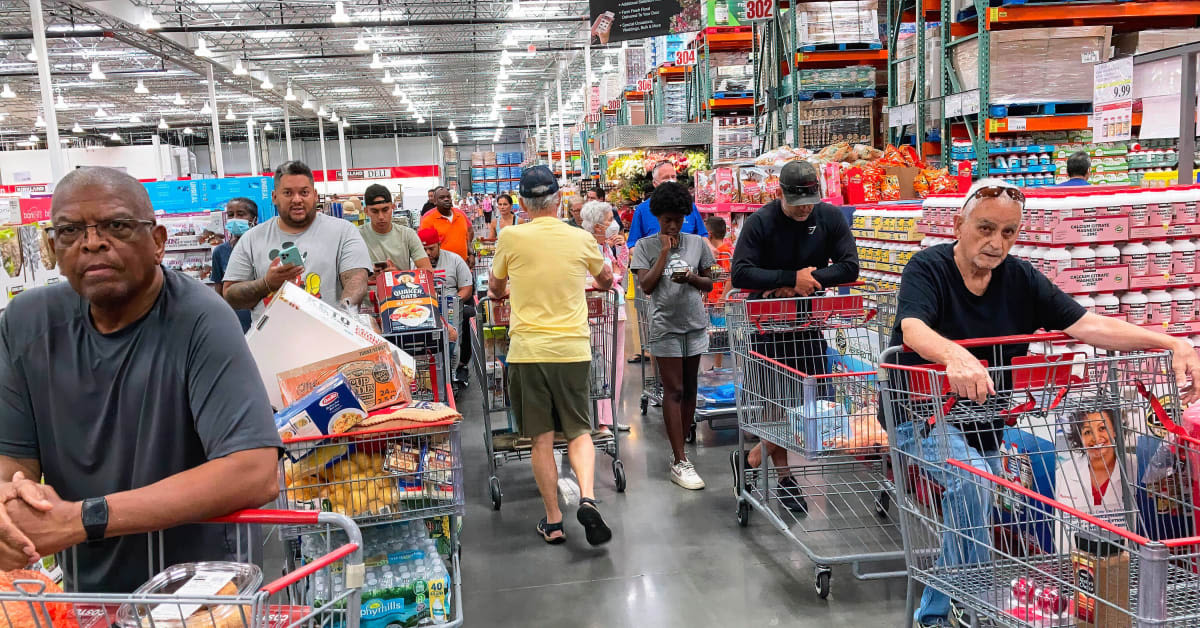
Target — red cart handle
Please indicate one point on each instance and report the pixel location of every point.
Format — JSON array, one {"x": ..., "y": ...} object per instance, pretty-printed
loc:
[
  {"x": 350, "y": 552},
  {"x": 271, "y": 517}
]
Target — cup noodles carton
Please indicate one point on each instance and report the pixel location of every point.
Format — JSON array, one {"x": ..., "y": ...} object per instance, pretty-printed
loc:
[
  {"x": 298, "y": 328},
  {"x": 372, "y": 374},
  {"x": 407, "y": 301},
  {"x": 331, "y": 408}
]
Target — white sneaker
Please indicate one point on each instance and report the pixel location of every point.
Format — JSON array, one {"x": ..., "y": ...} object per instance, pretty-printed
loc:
[{"x": 684, "y": 474}]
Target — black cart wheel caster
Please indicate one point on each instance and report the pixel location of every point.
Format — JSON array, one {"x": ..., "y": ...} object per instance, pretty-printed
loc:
[
  {"x": 497, "y": 495},
  {"x": 645, "y": 405},
  {"x": 743, "y": 513},
  {"x": 823, "y": 574},
  {"x": 619, "y": 475},
  {"x": 882, "y": 503}
]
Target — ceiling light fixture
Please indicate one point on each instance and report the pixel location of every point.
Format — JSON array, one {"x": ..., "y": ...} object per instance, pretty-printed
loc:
[
  {"x": 333, "y": 116},
  {"x": 397, "y": 93},
  {"x": 202, "y": 48},
  {"x": 500, "y": 123},
  {"x": 61, "y": 104},
  {"x": 505, "y": 59},
  {"x": 345, "y": 124},
  {"x": 114, "y": 137},
  {"x": 135, "y": 119},
  {"x": 31, "y": 55},
  {"x": 141, "y": 88},
  {"x": 251, "y": 121},
  {"x": 96, "y": 74},
  {"x": 510, "y": 41},
  {"x": 308, "y": 104},
  {"x": 607, "y": 68},
  {"x": 33, "y": 138},
  {"x": 205, "y": 110},
  {"x": 266, "y": 82},
  {"x": 187, "y": 130},
  {"x": 101, "y": 113},
  {"x": 148, "y": 23},
  {"x": 77, "y": 128},
  {"x": 516, "y": 11},
  {"x": 339, "y": 13},
  {"x": 420, "y": 119},
  {"x": 361, "y": 45},
  {"x": 40, "y": 122},
  {"x": 239, "y": 69},
  {"x": 162, "y": 124},
  {"x": 7, "y": 92},
  {"x": 321, "y": 111},
  {"x": 229, "y": 114},
  {"x": 290, "y": 96},
  {"x": 178, "y": 102},
  {"x": 376, "y": 61},
  {"x": 451, "y": 127},
  {"x": 268, "y": 128},
  {"x": 387, "y": 77}
]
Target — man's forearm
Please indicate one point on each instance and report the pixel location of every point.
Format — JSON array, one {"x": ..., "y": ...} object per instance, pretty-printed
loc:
[
  {"x": 244, "y": 479},
  {"x": 497, "y": 287},
  {"x": 244, "y": 295},
  {"x": 1112, "y": 334},
  {"x": 354, "y": 285}
]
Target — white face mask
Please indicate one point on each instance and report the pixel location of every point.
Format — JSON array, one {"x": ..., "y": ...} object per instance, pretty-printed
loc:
[{"x": 613, "y": 229}]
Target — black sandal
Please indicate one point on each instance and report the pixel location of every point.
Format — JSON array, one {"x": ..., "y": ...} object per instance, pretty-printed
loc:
[
  {"x": 546, "y": 529},
  {"x": 589, "y": 517}
]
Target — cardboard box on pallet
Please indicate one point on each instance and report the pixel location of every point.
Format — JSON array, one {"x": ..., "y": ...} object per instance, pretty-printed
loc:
[
  {"x": 837, "y": 22},
  {"x": 1141, "y": 42},
  {"x": 906, "y": 71},
  {"x": 1033, "y": 65},
  {"x": 824, "y": 122}
]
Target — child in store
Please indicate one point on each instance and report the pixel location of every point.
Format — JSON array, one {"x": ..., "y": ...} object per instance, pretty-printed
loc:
[{"x": 722, "y": 251}]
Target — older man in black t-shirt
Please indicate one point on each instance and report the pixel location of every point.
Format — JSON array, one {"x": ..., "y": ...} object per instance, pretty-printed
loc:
[
  {"x": 973, "y": 289},
  {"x": 792, "y": 247}
]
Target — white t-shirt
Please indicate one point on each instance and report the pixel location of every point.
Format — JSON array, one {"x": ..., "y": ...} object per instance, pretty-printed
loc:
[{"x": 330, "y": 246}]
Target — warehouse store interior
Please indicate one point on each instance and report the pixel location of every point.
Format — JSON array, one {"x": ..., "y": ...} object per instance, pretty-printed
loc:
[{"x": 677, "y": 313}]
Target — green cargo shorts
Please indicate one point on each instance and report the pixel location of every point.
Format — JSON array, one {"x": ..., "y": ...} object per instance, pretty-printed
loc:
[{"x": 551, "y": 397}]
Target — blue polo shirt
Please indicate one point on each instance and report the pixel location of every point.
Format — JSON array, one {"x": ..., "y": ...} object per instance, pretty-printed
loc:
[
  {"x": 645, "y": 224},
  {"x": 1072, "y": 183}
]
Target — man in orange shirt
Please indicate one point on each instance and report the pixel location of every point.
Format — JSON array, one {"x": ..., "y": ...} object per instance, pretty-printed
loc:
[
  {"x": 456, "y": 234},
  {"x": 451, "y": 224}
]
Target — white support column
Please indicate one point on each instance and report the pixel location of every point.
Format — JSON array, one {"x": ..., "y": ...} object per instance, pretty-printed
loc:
[
  {"x": 215, "y": 140},
  {"x": 156, "y": 143},
  {"x": 345, "y": 164},
  {"x": 324, "y": 166},
  {"x": 58, "y": 166},
  {"x": 549, "y": 145},
  {"x": 587, "y": 78},
  {"x": 250, "y": 144},
  {"x": 287, "y": 129},
  {"x": 396, "y": 141},
  {"x": 562, "y": 148}
]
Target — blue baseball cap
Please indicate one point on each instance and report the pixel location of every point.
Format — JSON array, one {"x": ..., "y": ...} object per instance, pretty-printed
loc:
[{"x": 537, "y": 182}]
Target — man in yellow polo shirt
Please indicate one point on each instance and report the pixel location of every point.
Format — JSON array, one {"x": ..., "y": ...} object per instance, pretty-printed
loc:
[{"x": 547, "y": 263}]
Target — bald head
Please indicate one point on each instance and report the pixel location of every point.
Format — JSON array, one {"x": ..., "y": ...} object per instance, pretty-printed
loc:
[{"x": 86, "y": 182}]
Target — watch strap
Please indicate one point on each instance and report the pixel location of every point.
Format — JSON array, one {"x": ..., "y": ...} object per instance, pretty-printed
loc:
[{"x": 95, "y": 518}]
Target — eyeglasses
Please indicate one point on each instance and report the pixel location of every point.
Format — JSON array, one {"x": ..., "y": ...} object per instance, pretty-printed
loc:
[
  {"x": 994, "y": 191},
  {"x": 69, "y": 233}
]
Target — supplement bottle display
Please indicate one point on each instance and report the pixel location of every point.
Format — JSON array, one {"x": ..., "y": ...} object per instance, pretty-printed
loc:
[{"x": 1133, "y": 306}]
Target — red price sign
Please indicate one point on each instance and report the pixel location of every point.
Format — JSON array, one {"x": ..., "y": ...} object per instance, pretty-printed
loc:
[
  {"x": 644, "y": 85},
  {"x": 614, "y": 104},
  {"x": 757, "y": 10},
  {"x": 685, "y": 57}
]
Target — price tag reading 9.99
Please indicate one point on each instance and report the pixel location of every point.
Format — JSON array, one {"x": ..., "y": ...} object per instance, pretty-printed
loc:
[
  {"x": 644, "y": 85},
  {"x": 759, "y": 9},
  {"x": 685, "y": 57}
]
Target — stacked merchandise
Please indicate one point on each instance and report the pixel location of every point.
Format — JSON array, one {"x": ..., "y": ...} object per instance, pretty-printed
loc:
[
  {"x": 1129, "y": 253},
  {"x": 888, "y": 235},
  {"x": 852, "y": 78},
  {"x": 495, "y": 173},
  {"x": 1109, "y": 163},
  {"x": 1037, "y": 65},
  {"x": 733, "y": 139},
  {"x": 837, "y": 22},
  {"x": 731, "y": 72},
  {"x": 28, "y": 260},
  {"x": 906, "y": 71},
  {"x": 825, "y": 122},
  {"x": 1153, "y": 156},
  {"x": 662, "y": 49},
  {"x": 190, "y": 241},
  {"x": 675, "y": 103}
]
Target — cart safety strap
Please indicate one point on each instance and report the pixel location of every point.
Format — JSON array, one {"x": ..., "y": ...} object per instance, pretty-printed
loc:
[
  {"x": 1159, "y": 411},
  {"x": 947, "y": 406}
]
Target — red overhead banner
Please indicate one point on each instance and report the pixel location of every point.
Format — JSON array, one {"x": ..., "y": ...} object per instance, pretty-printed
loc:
[{"x": 392, "y": 172}]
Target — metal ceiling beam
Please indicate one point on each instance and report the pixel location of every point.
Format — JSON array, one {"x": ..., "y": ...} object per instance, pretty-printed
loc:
[{"x": 427, "y": 53}]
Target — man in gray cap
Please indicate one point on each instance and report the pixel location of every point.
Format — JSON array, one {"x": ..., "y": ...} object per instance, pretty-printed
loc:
[
  {"x": 549, "y": 358},
  {"x": 792, "y": 247}
]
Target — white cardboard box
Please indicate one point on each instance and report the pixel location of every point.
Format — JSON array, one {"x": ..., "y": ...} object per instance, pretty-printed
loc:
[{"x": 298, "y": 329}]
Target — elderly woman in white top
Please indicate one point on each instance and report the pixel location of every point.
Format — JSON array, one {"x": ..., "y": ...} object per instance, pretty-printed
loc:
[{"x": 596, "y": 217}]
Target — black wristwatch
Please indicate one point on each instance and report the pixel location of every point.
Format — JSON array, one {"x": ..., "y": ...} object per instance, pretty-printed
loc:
[{"x": 95, "y": 518}]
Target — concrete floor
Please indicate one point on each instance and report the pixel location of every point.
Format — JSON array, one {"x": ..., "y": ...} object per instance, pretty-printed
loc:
[{"x": 678, "y": 558}]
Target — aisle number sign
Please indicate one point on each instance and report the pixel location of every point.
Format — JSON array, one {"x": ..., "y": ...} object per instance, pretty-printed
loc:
[
  {"x": 759, "y": 10},
  {"x": 1112, "y": 96},
  {"x": 644, "y": 85},
  {"x": 685, "y": 57}
]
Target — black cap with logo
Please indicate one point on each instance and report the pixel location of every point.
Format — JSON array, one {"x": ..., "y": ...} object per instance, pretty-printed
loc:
[{"x": 799, "y": 183}]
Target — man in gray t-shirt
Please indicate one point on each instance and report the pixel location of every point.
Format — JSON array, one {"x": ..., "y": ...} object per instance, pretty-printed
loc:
[
  {"x": 133, "y": 392},
  {"x": 336, "y": 261}
]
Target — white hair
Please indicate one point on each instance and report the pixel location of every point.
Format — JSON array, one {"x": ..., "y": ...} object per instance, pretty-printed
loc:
[
  {"x": 989, "y": 182},
  {"x": 542, "y": 204},
  {"x": 575, "y": 199},
  {"x": 594, "y": 213}
]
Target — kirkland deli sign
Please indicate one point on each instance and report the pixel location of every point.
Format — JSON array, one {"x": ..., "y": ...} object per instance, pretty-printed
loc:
[{"x": 622, "y": 20}]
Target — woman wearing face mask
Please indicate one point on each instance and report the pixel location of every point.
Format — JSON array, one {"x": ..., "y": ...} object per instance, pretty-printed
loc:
[
  {"x": 597, "y": 218},
  {"x": 503, "y": 217},
  {"x": 240, "y": 214}
]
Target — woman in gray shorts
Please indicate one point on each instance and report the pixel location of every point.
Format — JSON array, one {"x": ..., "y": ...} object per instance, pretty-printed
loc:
[{"x": 673, "y": 268}]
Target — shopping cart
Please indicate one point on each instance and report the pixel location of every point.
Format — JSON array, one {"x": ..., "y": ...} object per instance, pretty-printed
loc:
[
  {"x": 715, "y": 408},
  {"x": 432, "y": 349},
  {"x": 491, "y": 340},
  {"x": 290, "y": 601},
  {"x": 485, "y": 254},
  {"x": 1083, "y": 513},
  {"x": 807, "y": 384}
]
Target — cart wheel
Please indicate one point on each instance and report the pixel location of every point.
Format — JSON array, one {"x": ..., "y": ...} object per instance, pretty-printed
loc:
[
  {"x": 690, "y": 437},
  {"x": 823, "y": 575},
  {"x": 497, "y": 495},
  {"x": 619, "y": 475},
  {"x": 743, "y": 513},
  {"x": 882, "y": 502},
  {"x": 645, "y": 404}
]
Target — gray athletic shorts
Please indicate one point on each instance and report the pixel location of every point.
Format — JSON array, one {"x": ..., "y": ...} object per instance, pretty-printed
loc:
[{"x": 680, "y": 345}]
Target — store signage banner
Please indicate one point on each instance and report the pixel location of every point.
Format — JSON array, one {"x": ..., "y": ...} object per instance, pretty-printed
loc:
[
  {"x": 623, "y": 20},
  {"x": 34, "y": 209},
  {"x": 394, "y": 172},
  {"x": 1112, "y": 101}
]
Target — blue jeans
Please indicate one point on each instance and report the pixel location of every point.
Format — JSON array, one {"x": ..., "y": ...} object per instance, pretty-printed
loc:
[{"x": 966, "y": 506}]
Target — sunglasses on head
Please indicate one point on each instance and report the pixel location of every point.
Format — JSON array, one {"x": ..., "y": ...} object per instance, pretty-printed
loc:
[{"x": 994, "y": 191}]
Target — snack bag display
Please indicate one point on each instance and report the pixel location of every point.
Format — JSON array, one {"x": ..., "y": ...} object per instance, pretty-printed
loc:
[
  {"x": 331, "y": 408},
  {"x": 372, "y": 373},
  {"x": 889, "y": 188},
  {"x": 751, "y": 182},
  {"x": 726, "y": 185},
  {"x": 407, "y": 301},
  {"x": 706, "y": 187}
]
